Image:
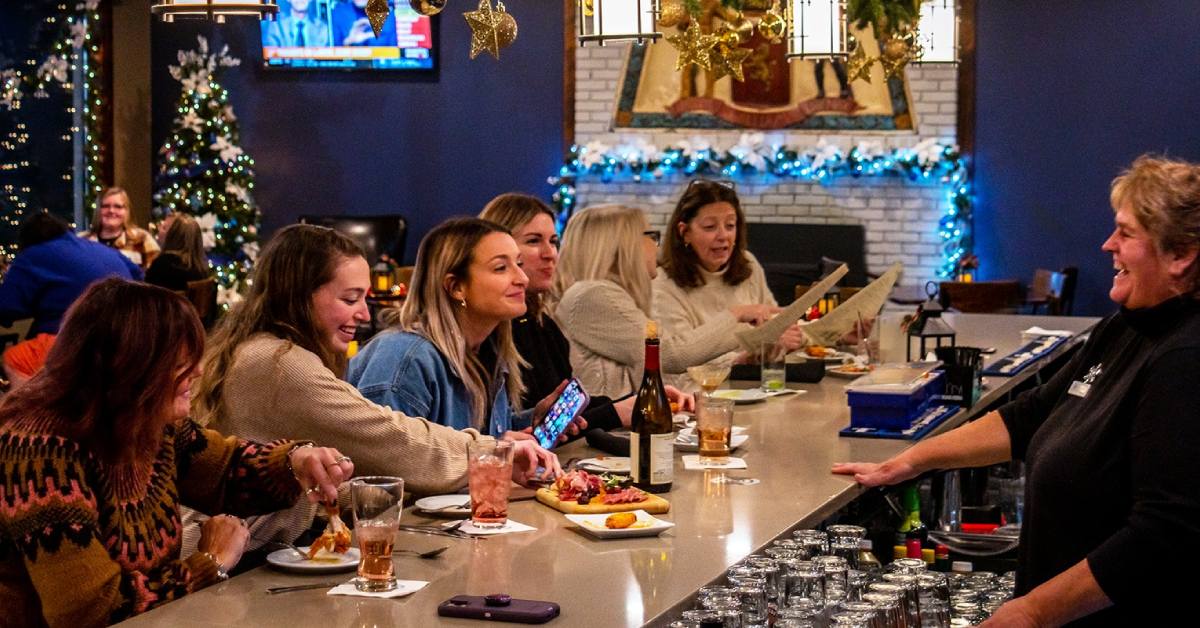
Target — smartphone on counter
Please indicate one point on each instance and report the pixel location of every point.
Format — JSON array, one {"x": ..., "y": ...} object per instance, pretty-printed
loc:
[
  {"x": 498, "y": 608},
  {"x": 569, "y": 404}
]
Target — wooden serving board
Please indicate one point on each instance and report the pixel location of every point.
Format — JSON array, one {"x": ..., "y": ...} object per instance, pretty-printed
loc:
[{"x": 654, "y": 505}]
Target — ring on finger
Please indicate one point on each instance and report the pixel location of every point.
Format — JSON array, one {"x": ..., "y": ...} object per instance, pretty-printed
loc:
[
  {"x": 312, "y": 489},
  {"x": 343, "y": 459}
]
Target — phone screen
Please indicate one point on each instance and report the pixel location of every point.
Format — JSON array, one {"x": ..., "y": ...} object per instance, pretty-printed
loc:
[{"x": 569, "y": 403}]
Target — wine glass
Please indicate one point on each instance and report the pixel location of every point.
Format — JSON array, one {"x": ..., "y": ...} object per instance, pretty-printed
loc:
[{"x": 708, "y": 376}]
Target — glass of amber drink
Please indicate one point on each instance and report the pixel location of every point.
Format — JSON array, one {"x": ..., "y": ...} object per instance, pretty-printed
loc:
[
  {"x": 714, "y": 422},
  {"x": 376, "y": 502},
  {"x": 489, "y": 475}
]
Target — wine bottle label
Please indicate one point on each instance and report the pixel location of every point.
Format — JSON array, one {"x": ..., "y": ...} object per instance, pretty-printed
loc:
[
  {"x": 635, "y": 458},
  {"x": 662, "y": 459}
]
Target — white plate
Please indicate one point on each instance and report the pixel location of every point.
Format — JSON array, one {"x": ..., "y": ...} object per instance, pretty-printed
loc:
[
  {"x": 686, "y": 439},
  {"x": 746, "y": 395},
  {"x": 594, "y": 525},
  {"x": 287, "y": 560},
  {"x": 842, "y": 371},
  {"x": 834, "y": 356},
  {"x": 437, "y": 503},
  {"x": 605, "y": 464}
]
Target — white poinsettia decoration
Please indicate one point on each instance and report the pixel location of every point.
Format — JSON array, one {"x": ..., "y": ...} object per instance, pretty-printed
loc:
[
  {"x": 192, "y": 121},
  {"x": 869, "y": 150},
  {"x": 751, "y": 149},
  {"x": 928, "y": 152},
  {"x": 251, "y": 251},
  {"x": 237, "y": 191},
  {"x": 637, "y": 149},
  {"x": 54, "y": 68},
  {"x": 78, "y": 34},
  {"x": 228, "y": 296},
  {"x": 593, "y": 153},
  {"x": 826, "y": 154},
  {"x": 88, "y": 5},
  {"x": 208, "y": 226},
  {"x": 227, "y": 150}
]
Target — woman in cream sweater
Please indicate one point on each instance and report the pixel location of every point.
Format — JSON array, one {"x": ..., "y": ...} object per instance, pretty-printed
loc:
[
  {"x": 706, "y": 267},
  {"x": 601, "y": 299},
  {"x": 274, "y": 366}
]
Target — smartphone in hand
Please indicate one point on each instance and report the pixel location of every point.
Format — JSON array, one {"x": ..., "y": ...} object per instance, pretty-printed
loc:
[{"x": 569, "y": 404}]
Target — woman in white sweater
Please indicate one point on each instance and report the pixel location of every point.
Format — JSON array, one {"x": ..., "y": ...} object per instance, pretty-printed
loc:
[
  {"x": 706, "y": 267},
  {"x": 601, "y": 299}
]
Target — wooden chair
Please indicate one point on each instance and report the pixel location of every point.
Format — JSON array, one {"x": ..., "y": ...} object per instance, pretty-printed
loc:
[
  {"x": 985, "y": 297},
  {"x": 202, "y": 294},
  {"x": 1045, "y": 289}
]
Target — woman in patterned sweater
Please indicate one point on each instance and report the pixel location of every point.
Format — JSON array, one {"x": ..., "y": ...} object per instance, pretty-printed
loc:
[{"x": 97, "y": 454}]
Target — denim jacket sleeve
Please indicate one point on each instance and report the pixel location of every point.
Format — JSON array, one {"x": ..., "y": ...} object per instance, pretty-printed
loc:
[{"x": 392, "y": 372}]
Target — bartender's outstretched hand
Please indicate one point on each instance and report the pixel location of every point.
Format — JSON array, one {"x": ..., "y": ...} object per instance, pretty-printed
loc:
[{"x": 876, "y": 474}]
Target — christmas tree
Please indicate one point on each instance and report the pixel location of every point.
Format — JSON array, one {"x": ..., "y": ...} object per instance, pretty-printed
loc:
[{"x": 204, "y": 172}]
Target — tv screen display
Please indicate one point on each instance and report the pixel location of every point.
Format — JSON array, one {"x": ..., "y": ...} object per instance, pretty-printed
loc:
[{"x": 337, "y": 34}]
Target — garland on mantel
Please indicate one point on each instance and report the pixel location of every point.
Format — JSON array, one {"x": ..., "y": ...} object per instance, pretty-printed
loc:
[{"x": 639, "y": 161}]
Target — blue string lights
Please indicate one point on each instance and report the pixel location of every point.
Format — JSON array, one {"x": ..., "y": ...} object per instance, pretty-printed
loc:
[{"x": 926, "y": 164}]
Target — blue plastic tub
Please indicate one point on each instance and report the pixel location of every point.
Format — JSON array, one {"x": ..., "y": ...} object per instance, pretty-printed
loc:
[{"x": 893, "y": 411}]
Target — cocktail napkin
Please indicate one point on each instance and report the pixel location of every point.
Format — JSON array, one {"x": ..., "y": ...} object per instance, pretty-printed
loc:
[
  {"x": 403, "y": 588},
  {"x": 693, "y": 463},
  {"x": 509, "y": 527}
]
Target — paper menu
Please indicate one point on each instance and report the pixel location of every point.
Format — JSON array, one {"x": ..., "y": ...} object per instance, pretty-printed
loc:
[
  {"x": 771, "y": 330},
  {"x": 866, "y": 303}
]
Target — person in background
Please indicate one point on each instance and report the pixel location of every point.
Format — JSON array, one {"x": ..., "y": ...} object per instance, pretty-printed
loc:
[
  {"x": 706, "y": 267},
  {"x": 52, "y": 268},
  {"x": 182, "y": 260},
  {"x": 98, "y": 453},
  {"x": 274, "y": 367},
  {"x": 601, "y": 300},
  {"x": 540, "y": 342},
  {"x": 448, "y": 355},
  {"x": 1109, "y": 441},
  {"x": 351, "y": 27},
  {"x": 300, "y": 25},
  {"x": 111, "y": 226}
]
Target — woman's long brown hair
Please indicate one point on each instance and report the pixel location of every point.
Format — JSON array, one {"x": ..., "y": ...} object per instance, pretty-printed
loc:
[
  {"x": 109, "y": 382},
  {"x": 186, "y": 240},
  {"x": 297, "y": 261}
]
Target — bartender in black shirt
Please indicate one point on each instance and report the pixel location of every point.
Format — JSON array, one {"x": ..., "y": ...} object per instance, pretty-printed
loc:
[{"x": 1112, "y": 501}]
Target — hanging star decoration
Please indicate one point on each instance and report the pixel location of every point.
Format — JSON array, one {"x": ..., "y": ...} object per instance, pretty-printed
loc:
[
  {"x": 858, "y": 67},
  {"x": 695, "y": 48},
  {"x": 727, "y": 61},
  {"x": 491, "y": 29},
  {"x": 377, "y": 13}
]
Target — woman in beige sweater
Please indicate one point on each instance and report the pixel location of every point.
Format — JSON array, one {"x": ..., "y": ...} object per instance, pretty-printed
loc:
[
  {"x": 706, "y": 267},
  {"x": 601, "y": 299},
  {"x": 273, "y": 368}
]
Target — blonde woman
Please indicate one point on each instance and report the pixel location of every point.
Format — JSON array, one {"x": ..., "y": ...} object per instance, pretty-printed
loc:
[
  {"x": 111, "y": 226},
  {"x": 449, "y": 355},
  {"x": 602, "y": 299},
  {"x": 537, "y": 336},
  {"x": 274, "y": 364}
]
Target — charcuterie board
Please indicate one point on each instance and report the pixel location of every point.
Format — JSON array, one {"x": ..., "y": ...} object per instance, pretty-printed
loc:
[{"x": 653, "y": 504}]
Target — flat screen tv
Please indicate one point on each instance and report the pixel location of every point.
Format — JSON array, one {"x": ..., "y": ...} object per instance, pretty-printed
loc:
[{"x": 315, "y": 34}]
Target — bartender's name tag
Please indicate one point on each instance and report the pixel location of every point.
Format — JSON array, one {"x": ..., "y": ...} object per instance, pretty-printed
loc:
[{"x": 1079, "y": 389}]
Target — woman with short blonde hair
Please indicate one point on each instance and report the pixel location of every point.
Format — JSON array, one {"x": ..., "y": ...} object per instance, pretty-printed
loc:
[
  {"x": 602, "y": 300},
  {"x": 111, "y": 226}
]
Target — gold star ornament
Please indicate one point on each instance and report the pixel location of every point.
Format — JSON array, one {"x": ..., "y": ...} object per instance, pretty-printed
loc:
[
  {"x": 694, "y": 48},
  {"x": 377, "y": 14},
  {"x": 859, "y": 65},
  {"x": 491, "y": 29},
  {"x": 728, "y": 61}
]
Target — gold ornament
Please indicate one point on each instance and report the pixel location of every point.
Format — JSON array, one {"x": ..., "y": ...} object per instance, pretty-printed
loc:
[
  {"x": 728, "y": 60},
  {"x": 491, "y": 29},
  {"x": 772, "y": 25},
  {"x": 588, "y": 11},
  {"x": 427, "y": 7},
  {"x": 858, "y": 67},
  {"x": 694, "y": 48},
  {"x": 672, "y": 13},
  {"x": 895, "y": 48},
  {"x": 377, "y": 13},
  {"x": 743, "y": 27},
  {"x": 727, "y": 37}
]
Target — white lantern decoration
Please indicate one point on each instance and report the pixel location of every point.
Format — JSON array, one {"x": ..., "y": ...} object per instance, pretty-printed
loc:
[
  {"x": 938, "y": 31},
  {"x": 617, "y": 20},
  {"x": 216, "y": 10},
  {"x": 816, "y": 29}
]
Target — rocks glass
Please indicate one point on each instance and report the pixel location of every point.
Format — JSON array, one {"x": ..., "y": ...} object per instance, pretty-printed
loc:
[
  {"x": 376, "y": 502},
  {"x": 489, "y": 475}
]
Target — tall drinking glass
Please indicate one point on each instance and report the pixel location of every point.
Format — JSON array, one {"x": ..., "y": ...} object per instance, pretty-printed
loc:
[
  {"x": 489, "y": 475},
  {"x": 714, "y": 424},
  {"x": 773, "y": 358},
  {"x": 376, "y": 502}
]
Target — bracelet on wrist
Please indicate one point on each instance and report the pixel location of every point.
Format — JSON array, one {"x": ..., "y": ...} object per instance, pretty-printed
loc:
[
  {"x": 221, "y": 573},
  {"x": 294, "y": 449}
]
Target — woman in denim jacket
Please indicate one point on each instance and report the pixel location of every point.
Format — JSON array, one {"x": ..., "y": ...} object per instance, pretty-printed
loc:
[{"x": 449, "y": 355}]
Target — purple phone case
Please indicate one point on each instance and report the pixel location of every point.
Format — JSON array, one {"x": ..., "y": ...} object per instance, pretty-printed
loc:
[
  {"x": 519, "y": 611},
  {"x": 553, "y": 437}
]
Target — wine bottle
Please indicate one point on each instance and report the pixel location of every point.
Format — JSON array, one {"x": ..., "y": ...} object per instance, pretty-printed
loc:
[{"x": 651, "y": 450}]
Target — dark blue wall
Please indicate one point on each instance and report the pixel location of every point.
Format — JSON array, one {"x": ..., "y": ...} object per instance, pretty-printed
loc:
[
  {"x": 1069, "y": 93},
  {"x": 423, "y": 146}
]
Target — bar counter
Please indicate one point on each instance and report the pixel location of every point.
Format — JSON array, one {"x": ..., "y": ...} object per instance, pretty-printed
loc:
[{"x": 630, "y": 582}]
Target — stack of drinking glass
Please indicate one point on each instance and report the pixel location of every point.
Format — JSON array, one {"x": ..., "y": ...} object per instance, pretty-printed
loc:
[{"x": 816, "y": 580}]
